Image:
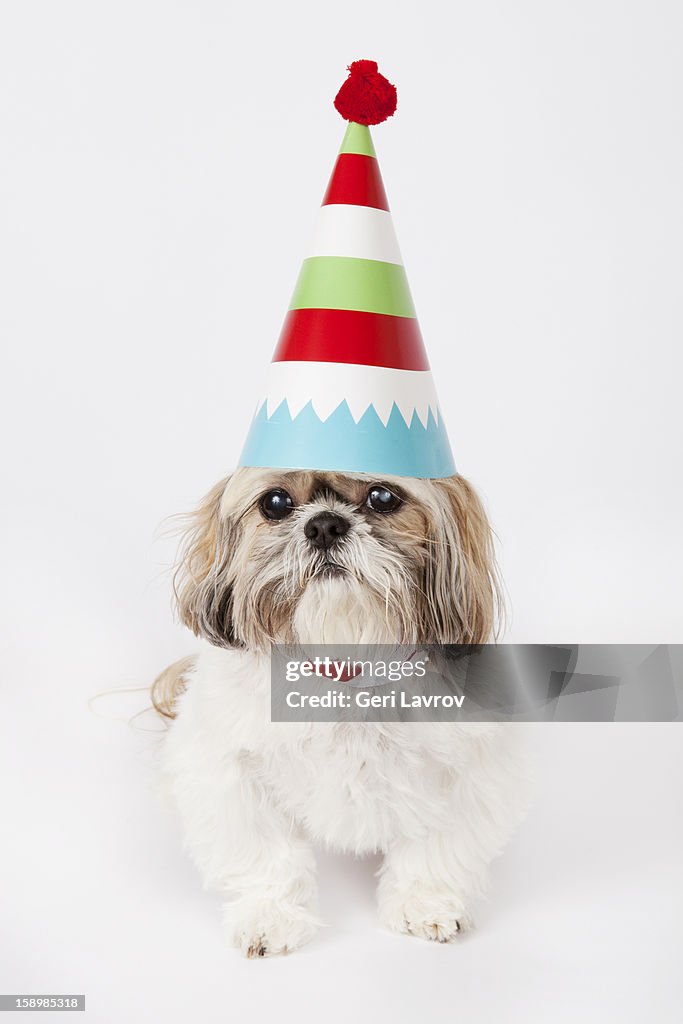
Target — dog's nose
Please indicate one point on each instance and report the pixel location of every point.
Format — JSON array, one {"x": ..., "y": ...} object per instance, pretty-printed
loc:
[{"x": 325, "y": 528}]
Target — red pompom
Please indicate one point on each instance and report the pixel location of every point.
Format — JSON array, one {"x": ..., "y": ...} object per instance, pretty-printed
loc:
[{"x": 366, "y": 97}]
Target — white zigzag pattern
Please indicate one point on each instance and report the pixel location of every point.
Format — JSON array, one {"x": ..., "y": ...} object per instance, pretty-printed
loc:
[{"x": 327, "y": 385}]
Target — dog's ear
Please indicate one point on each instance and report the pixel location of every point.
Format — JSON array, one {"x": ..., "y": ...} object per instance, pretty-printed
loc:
[
  {"x": 201, "y": 582},
  {"x": 460, "y": 577}
]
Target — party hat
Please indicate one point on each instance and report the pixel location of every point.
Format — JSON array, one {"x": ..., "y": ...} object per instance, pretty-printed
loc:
[{"x": 349, "y": 387}]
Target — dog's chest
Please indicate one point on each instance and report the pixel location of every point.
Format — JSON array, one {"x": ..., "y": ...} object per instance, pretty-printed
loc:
[{"x": 354, "y": 787}]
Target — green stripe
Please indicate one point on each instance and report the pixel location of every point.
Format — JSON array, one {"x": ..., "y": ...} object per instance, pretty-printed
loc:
[
  {"x": 344, "y": 282},
  {"x": 358, "y": 140}
]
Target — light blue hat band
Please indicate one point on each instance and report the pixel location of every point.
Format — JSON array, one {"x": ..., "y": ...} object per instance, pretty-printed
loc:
[{"x": 342, "y": 444}]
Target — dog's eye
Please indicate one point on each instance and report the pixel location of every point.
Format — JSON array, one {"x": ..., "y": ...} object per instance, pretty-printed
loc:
[
  {"x": 381, "y": 499},
  {"x": 276, "y": 504}
]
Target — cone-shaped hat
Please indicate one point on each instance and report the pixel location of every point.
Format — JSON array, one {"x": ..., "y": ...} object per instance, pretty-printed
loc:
[{"x": 350, "y": 388}]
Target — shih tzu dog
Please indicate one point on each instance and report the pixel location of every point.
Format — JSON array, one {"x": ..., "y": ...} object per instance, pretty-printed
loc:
[{"x": 275, "y": 556}]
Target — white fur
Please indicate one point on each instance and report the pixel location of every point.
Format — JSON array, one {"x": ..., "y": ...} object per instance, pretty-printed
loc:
[{"x": 438, "y": 799}]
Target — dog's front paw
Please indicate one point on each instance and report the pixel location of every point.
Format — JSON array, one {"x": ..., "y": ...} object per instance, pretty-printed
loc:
[
  {"x": 267, "y": 926},
  {"x": 428, "y": 913}
]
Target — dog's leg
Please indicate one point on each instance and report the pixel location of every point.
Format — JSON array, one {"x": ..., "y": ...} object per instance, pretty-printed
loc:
[
  {"x": 428, "y": 883},
  {"x": 426, "y": 886},
  {"x": 247, "y": 848},
  {"x": 273, "y": 882}
]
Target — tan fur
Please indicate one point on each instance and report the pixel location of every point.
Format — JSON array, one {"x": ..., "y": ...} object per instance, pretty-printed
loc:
[
  {"x": 205, "y": 546},
  {"x": 168, "y": 686},
  {"x": 470, "y": 571},
  {"x": 241, "y": 577}
]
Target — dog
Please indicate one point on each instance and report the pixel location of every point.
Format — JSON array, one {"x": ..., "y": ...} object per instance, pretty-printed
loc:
[{"x": 275, "y": 556}]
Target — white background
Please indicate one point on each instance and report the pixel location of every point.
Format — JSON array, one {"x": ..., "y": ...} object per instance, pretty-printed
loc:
[{"x": 161, "y": 164}]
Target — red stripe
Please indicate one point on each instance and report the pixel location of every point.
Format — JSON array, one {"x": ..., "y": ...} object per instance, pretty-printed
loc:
[
  {"x": 356, "y": 181},
  {"x": 349, "y": 336}
]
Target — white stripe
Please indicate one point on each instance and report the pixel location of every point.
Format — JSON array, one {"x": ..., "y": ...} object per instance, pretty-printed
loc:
[
  {"x": 359, "y": 231},
  {"x": 328, "y": 384}
]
